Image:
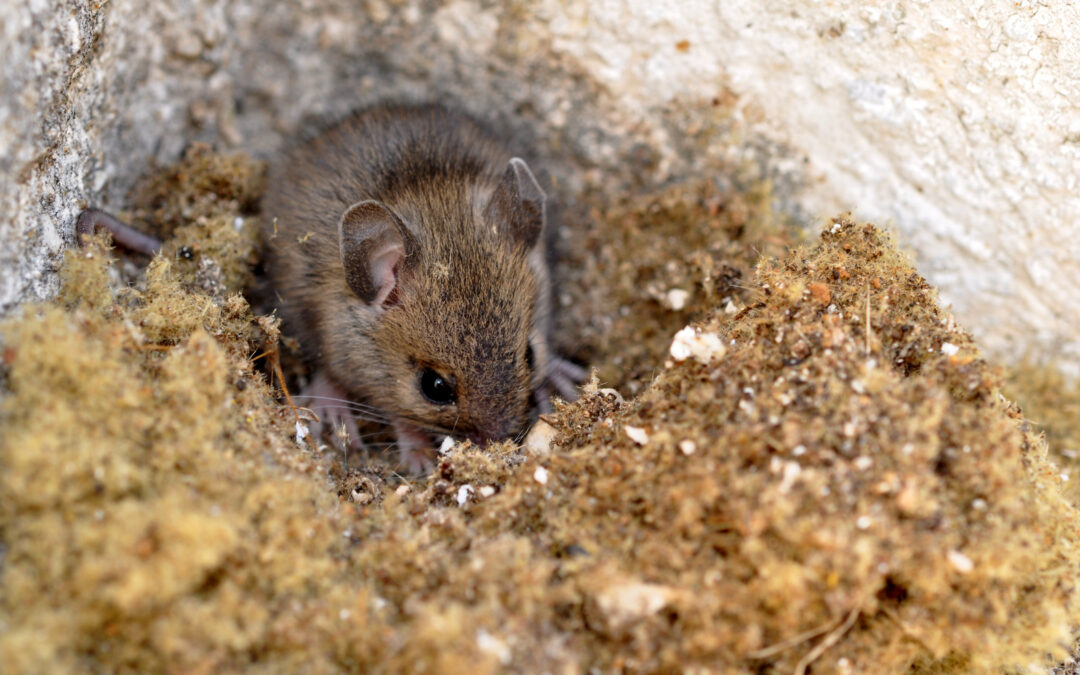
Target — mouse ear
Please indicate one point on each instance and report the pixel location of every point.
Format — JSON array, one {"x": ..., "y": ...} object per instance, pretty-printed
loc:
[
  {"x": 516, "y": 208},
  {"x": 375, "y": 247}
]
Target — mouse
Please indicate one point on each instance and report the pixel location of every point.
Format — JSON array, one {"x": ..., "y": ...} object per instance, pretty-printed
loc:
[{"x": 407, "y": 250}]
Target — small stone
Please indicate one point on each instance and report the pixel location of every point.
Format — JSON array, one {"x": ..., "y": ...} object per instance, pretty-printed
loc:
[
  {"x": 949, "y": 349},
  {"x": 540, "y": 475},
  {"x": 687, "y": 447},
  {"x": 791, "y": 470},
  {"x": 676, "y": 298},
  {"x": 463, "y": 494},
  {"x": 447, "y": 444},
  {"x": 626, "y": 603},
  {"x": 691, "y": 342},
  {"x": 540, "y": 437},
  {"x": 487, "y": 491},
  {"x": 637, "y": 434},
  {"x": 960, "y": 562},
  {"x": 490, "y": 644}
]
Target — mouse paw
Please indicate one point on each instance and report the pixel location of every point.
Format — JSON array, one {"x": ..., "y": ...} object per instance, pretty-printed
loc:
[
  {"x": 563, "y": 378},
  {"x": 330, "y": 403},
  {"x": 416, "y": 452}
]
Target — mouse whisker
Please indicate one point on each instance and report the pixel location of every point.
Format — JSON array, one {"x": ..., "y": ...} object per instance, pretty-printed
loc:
[
  {"x": 357, "y": 409},
  {"x": 355, "y": 404},
  {"x": 424, "y": 425}
]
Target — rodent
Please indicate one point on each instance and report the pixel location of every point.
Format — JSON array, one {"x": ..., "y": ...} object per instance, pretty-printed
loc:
[{"x": 406, "y": 248}]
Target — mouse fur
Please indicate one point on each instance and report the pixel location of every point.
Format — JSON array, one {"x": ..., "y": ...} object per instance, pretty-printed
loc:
[{"x": 408, "y": 240}]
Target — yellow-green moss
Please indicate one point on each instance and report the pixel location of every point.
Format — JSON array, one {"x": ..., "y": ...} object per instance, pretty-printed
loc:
[
  {"x": 844, "y": 485},
  {"x": 1051, "y": 403}
]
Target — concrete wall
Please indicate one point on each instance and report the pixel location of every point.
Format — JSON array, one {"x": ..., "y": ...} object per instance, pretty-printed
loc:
[{"x": 957, "y": 122}]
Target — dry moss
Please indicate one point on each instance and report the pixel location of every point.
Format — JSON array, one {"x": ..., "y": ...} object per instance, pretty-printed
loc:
[
  {"x": 843, "y": 486},
  {"x": 860, "y": 480},
  {"x": 1051, "y": 402},
  {"x": 639, "y": 269}
]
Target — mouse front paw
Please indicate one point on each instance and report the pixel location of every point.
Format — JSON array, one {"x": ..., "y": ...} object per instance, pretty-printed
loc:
[
  {"x": 416, "y": 450},
  {"x": 331, "y": 405},
  {"x": 562, "y": 378}
]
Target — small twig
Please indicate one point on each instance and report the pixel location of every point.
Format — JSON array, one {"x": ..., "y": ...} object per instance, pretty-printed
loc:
[
  {"x": 868, "y": 333},
  {"x": 891, "y": 615},
  {"x": 830, "y": 639},
  {"x": 795, "y": 641},
  {"x": 275, "y": 368}
]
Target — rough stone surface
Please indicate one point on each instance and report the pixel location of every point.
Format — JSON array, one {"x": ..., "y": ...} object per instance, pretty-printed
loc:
[{"x": 956, "y": 122}]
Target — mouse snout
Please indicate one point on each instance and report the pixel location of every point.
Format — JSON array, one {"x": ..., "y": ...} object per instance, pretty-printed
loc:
[
  {"x": 479, "y": 439},
  {"x": 491, "y": 432}
]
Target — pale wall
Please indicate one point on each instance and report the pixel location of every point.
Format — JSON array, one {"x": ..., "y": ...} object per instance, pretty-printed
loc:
[{"x": 955, "y": 121}]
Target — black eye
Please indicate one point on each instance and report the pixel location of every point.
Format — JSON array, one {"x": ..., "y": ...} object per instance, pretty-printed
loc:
[
  {"x": 530, "y": 358},
  {"x": 435, "y": 388}
]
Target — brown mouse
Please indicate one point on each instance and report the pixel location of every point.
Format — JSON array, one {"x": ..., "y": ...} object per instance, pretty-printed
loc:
[{"x": 407, "y": 248}]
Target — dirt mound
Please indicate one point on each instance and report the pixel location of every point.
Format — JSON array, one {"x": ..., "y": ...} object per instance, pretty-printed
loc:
[{"x": 822, "y": 471}]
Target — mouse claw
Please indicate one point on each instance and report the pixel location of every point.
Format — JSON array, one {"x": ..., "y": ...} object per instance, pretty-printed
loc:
[
  {"x": 323, "y": 397},
  {"x": 562, "y": 379},
  {"x": 417, "y": 455}
]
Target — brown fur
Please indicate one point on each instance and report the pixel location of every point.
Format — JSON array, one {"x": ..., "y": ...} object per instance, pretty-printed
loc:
[{"x": 468, "y": 307}]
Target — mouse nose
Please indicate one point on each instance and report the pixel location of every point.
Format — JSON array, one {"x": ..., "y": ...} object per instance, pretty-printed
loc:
[
  {"x": 479, "y": 439},
  {"x": 489, "y": 433}
]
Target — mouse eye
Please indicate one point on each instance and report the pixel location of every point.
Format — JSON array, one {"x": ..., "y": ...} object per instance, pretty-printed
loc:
[
  {"x": 530, "y": 358},
  {"x": 435, "y": 388}
]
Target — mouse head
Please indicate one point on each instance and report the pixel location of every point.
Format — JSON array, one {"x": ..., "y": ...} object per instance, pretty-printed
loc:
[{"x": 455, "y": 299}]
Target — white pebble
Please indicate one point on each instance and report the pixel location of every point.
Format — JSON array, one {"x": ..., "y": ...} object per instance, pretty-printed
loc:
[
  {"x": 688, "y": 447},
  {"x": 961, "y": 562},
  {"x": 463, "y": 494},
  {"x": 301, "y": 433},
  {"x": 540, "y": 475},
  {"x": 863, "y": 522},
  {"x": 402, "y": 490},
  {"x": 637, "y": 434},
  {"x": 791, "y": 474},
  {"x": 539, "y": 438},
  {"x": 447, "y": 444},
  {"x": 677, "y": 297},
  {"x": 494, "y": 646},
  {"x": 691, "y": 342},
  {"x": 487, "y": 491},
  {"x": 949, "y": 349}
]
